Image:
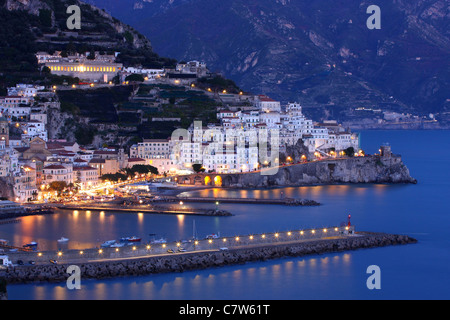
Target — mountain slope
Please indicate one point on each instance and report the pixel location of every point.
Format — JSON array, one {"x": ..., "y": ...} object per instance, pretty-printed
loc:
[
  {"x": 317, "y": 52},
  {"x": 28, "y": 26}
]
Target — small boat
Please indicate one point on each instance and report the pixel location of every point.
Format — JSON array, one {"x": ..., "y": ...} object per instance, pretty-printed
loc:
[
  {"x": 131, "y": 239},
  {"x": 212, "y": 236},
  {"x": 160, "y": 241},
  {"x": 31, "y": 244},
  {"x": 134, "y": 239},
  {"x": 108, "y": 243},
  {"x": 63, "y": 240},
  {"x": 117, "y": 245}
]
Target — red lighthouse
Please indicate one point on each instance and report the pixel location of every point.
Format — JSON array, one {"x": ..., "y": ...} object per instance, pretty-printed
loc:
[{"x": 349, "y": 223}]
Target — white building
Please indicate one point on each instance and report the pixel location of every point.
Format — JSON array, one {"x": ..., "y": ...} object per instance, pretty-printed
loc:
[
  {"x": 266, "y": 104},
  {"x": 271, "y": 119},
  {"x": 190, "y": 153},
  {"x": 24, "y": 90},
  {"x": 15, "y": 106},
  {"x": 164, "y": 165},
  {"x": 250, "y": 119},
  {"x": 58, "y": 172},
  {"x": 149, "y": 74},
  {"x": 192, "y": 67},
  {"x": 86, "y": 177},
  {"x": 291, "y": 125},
  {"x": 25, "y": 184},
  {"x": 33, "y": 128},
  {"x": 151, "y": 149}
]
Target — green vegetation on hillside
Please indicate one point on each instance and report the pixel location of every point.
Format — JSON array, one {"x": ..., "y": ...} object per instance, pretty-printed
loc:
[
  {"x": 23, "y": 34},
  {"x": 218, "y": 84},
  {"x": 97, "y": 104}
]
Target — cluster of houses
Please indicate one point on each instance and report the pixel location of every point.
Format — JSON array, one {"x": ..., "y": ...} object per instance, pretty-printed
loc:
[
  {"x": 247, "y": 138},
  {"x": 252, "y": 132},
  {"x": 31, "y": 162},
  {"x": 33, "y": 168},
  {"x": 98, "y": 67}
]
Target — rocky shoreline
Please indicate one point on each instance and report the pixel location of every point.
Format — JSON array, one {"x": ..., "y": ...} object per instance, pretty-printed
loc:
[
  {"x": 201, "y": 260},
  {"x": 369, "y": 169}
]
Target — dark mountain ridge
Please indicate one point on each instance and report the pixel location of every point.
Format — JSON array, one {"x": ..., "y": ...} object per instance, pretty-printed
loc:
[{"x": 319, "y": 53}]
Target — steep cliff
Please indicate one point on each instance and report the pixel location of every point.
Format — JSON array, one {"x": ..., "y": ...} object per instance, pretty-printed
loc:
[
  {"x": 6, "y": 188},
  {"x": 370, "y": 169}
]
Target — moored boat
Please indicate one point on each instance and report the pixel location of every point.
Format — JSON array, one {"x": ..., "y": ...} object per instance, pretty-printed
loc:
[
  {"x": 62, "y": 240},
  {"x": 160, "y": 241},
  {"x": 131, "y": 239},
  {"x": 31, "y": 244},
  {"x": 108, "y": 243},
  {"x": 117, "y": 245}
]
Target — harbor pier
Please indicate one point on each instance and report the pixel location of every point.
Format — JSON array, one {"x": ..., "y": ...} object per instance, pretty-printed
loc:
[
  {"x": 196, "y": 254},
  {"x": 281, "y": 201}
]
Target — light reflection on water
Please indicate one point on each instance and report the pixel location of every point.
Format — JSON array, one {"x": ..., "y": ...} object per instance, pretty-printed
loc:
[
  {"x": 265, "y": 280},
  {"x": 89, "y": 229},
  {"x": 408, "y": 272}
]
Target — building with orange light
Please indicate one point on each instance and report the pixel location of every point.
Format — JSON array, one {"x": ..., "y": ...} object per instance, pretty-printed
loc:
[{"x": 96, "y": 71}]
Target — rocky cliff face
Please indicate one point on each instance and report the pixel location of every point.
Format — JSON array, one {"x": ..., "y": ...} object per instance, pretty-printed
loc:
[
  {"x": 90, "y": 14},
  {"x": 371, "y": 169},
  {"x": 6, "y": 188}
]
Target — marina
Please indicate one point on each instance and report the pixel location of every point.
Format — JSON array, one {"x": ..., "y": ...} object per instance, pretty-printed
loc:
[{"x": 196, "y": 254}]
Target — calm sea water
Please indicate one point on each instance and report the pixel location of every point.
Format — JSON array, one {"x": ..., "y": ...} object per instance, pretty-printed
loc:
[{"x": 419, "y": 271}]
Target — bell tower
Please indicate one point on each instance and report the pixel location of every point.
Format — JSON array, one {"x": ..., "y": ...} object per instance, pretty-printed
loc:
[{"x": 4, "y": 131}]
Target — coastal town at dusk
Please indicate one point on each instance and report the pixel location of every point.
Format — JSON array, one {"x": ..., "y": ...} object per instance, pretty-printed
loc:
[{"x": 275, "y": 170}]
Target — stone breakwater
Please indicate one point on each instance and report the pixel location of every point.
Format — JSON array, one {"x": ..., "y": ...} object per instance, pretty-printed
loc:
[{"x": 201, "y": 260}]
